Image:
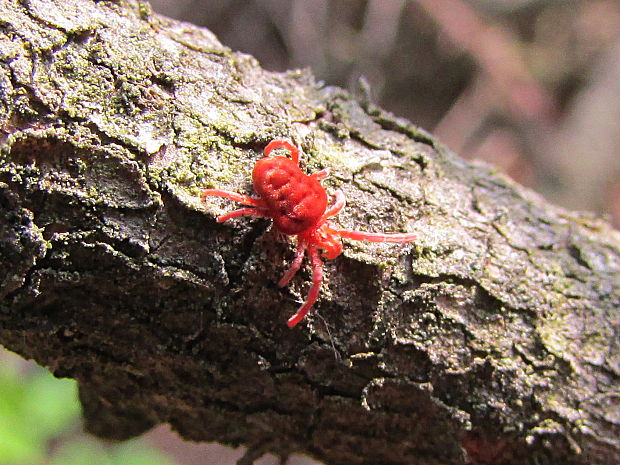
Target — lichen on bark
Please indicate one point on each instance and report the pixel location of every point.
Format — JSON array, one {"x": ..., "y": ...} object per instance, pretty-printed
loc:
[{"x": 492, "y": 339}]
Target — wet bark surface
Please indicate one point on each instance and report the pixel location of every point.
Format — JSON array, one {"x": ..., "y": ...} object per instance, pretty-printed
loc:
[{"x": 492, "y": 339}]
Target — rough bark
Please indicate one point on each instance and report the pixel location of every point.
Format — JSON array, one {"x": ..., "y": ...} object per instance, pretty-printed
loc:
[{"x": 493, "y": 339}]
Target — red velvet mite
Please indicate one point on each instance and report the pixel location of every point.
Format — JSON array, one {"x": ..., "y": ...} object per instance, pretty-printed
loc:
[{"x": 298, "y": 205}]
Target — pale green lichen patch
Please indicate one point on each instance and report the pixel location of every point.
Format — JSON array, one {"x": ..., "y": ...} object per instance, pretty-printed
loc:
[
  {"x": 69, "y": 16},
  {"x": 10, "y": 47},
  {"x": 33, "y": 33}
]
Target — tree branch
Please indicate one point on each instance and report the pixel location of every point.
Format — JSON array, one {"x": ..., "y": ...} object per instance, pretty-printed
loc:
[{"x": 491, "y": 340}]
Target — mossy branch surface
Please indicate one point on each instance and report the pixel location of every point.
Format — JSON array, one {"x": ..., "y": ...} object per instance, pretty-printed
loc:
[{"x": 493, "y": 339}]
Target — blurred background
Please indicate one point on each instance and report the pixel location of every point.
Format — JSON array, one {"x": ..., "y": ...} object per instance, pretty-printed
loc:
[{"x": 530, "y": 86}]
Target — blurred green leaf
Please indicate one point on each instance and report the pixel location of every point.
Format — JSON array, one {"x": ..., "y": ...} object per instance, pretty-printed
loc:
[
  {"x": 52, "y": 404},
  {"x": 84, "y": 452},
  {"x": 18, "y": 446},
  {"x": 36, "y": 408},
  {"x": 137, "y": 453},
  {"x": 89, "y": 452}
]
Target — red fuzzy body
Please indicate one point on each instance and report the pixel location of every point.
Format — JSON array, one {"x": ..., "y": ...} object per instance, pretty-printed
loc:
[{"x": 293, "y": 199}]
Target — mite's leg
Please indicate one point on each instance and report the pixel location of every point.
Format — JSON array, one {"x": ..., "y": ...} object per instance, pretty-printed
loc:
[
  {"x": 313, "y": 294},
  {"x": 277, "y": 144},
  {"x": 241, "y": 198},
  {"x": 299, "y": 257},
  {"x": 373, "y": 237},
  {"x": 320, "y": 174},
  {"x": 246, "y": 211},
  {"x": 338, "y": 205}
]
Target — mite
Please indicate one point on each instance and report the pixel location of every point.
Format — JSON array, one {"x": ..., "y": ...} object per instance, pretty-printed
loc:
[{"x": 298, "y": 205}]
